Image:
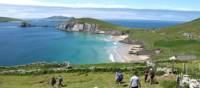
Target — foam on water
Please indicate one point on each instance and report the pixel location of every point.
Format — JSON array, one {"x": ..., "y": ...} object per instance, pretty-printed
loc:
[{"x": 114, "y": 54}]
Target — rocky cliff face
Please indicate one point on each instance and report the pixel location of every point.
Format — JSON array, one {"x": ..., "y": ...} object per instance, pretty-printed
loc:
[
  {"x": 78, "y": 27},
  {"x": 86, "y": 27}
]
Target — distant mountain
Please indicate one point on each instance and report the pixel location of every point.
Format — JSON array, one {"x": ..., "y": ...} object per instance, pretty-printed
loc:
[
  {"x": 7, "y": 19},
  {"x": 60, "y": 17}
]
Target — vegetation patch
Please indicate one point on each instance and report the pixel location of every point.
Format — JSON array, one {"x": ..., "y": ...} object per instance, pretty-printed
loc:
[
  {"x": 7, "y": 19},
  {"x": 175, "y": 43}
]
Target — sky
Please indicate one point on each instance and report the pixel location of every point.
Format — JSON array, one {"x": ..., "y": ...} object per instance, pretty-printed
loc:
[
  {"x": 136, "y": 4},
  {"x": 179, "y": 10}
]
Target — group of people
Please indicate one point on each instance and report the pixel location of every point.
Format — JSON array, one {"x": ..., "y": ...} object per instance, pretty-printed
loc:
[
  {"x": 149, "y": 74},
  {"x": 134, "y": 81},
  {"x": 53, "y": 82}
]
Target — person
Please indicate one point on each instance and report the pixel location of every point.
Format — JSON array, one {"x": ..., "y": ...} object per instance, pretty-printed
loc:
[
  {"x": 178, "y": 79},
  {"x": 135, "y": 81},
  {"x": 53, "y": 82},
  {"x": 118, "y": 77},
  {"x": 152, "y": 75},
  {"x": 60, "y": 82},
  {"x": 146, "y": 72}
]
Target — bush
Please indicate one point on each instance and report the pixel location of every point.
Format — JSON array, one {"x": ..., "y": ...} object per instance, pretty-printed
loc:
[
  {"x": 159, "y": 73},
  {"x": 169, "y": 84}
]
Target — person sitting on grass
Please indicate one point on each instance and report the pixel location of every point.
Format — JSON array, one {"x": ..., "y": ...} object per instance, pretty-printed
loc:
[
  {"x": 118, "y": 77},
  {"x": 135, "y": 81},
  {"x": 60, "y": 82},
  {"x": 53, "y": 82}
]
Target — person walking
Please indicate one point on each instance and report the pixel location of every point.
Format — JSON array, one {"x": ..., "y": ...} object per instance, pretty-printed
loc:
[
  {"x": 53, "y": 82},
  {"x": 135, "y": 81},
  {"x": 152, "y": 75},
  {"x": 146, "y": 73},
  {"x": 118, "y": 77},
  {"x": 60, "y": 81}
]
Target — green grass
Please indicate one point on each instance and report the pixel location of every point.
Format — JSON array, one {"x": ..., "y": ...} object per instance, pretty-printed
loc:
[
  {"x": 171, "y": 40},
  {"x": 7, "y": 19},
  {"x": 175, "y": 43},
  {"x": 73, "y": 80}
]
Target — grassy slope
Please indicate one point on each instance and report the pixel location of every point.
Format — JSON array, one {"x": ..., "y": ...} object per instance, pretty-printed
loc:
[
  {"x": 78, "y": 79},
  {"x": 171, "y": 39},
  {"x": 72, "y": 80},
  {"x": 102, "y": 25},
  {"x": 7, "y": 19}
]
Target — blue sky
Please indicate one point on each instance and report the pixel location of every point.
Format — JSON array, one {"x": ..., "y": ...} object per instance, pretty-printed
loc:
[
  {"x": 176, "y": 10},
  {"x": 137, "y": 4}
]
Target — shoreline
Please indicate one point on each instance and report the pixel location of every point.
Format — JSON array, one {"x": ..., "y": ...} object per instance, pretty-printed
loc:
[{"x": 122, "y": 51}]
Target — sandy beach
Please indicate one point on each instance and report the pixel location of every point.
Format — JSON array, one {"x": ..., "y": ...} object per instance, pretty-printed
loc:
[{"x": 123, "y": 51}]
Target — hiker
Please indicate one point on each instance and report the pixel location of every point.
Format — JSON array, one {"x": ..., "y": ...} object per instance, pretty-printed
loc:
[
  {"x": 178, "y": 79},
  {"x": 118, "y": 77},
  {"x": 135, "y": 81},
  {"x": 146, "y": 72},
  {"x": 60, "y": 82},
  {"x": 53, "y": 82},
  {"x": 152, "y": 75}
]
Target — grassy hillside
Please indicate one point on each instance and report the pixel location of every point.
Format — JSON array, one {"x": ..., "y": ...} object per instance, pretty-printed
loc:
[
  {"x": 73, "y": 80},
  {"x": 79, "y": 78},
  {"x": 7, "y": 19},
  {"x": 190, "y": 27},
  {"x": 172, "y": 40},
  {"x": 102, "y": 24}
]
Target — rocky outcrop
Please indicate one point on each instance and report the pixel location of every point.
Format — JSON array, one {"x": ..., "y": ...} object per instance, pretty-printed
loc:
[
  {"x": 86, "y": 27},
  {"x": 25, "y": 24},
  {"x": 114, "y": 32},
  {"x": 78, "y": 27},
  {"x": 130, "y": 41}
]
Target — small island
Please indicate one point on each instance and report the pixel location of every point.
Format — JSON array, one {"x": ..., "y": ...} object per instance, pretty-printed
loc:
[{"x": 25, "y": 24}]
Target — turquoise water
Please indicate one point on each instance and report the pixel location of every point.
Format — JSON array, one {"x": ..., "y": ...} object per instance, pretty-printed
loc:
[
  {"x": 46, "y": 44},
  {"x": 38, "y": 44}
]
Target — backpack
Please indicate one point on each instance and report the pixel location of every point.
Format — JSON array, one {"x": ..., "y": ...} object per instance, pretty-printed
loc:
[{"x": 120, "y": 76}]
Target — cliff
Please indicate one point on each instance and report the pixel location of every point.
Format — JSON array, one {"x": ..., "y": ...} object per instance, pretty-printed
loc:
[
  {"x": 91, "y": 25},
  {"x": 78, "y": 27}
]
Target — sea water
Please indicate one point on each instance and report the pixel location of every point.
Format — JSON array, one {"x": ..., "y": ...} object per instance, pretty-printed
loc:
[{"x": 47, "y": 44}]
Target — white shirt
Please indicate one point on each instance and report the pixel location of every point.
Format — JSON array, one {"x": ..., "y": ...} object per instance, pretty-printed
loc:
[{"x": 134, "y": 81}]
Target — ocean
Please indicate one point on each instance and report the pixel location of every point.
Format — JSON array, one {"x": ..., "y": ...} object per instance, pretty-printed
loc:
[
  {"x": 146, "y": 24},
  {"x": 20, "y": 46}
]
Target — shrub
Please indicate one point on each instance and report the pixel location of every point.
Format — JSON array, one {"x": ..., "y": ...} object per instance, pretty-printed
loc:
[{"x": 169, "y": 84}]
